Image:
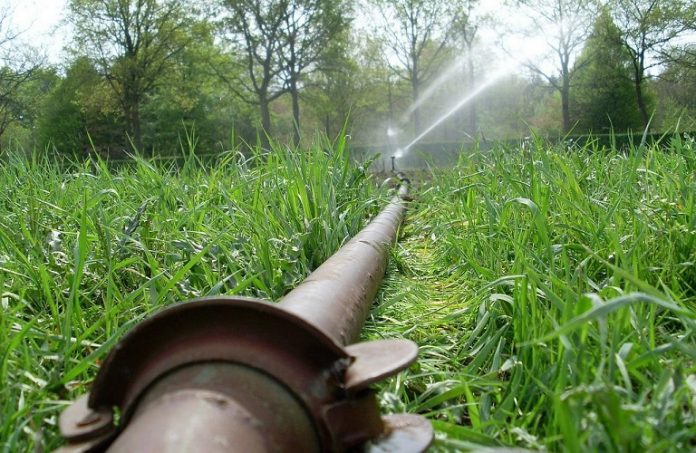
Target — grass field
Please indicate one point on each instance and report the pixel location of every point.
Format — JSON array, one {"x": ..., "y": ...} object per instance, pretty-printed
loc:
[{"x": 552, "y": 292}]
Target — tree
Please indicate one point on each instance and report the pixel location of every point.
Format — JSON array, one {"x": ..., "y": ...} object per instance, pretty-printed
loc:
[
  {"x": 466, "y": 28},
  {"x": 516, "y": 103},
  {"x": 416, "y": 31},
  {"x": 377, "y": 95},
  {"x": 255, "y": 33},
  {"x": 81, "y": 106},
  {"x": 603, "y": 94},
  {"x": 310, "y": 28},
  {"x": 132, "y": 43},
  {"x": 11, "y": 82},
  {"x": 333, "y": 90},
  {"x": 18, "y": 64},
  {"x": 648, "y": 27},
  {"x": 676, "y": 91},
  {"x": 277, "y": 43},
  {"x": 193, "y": 100},
  {"x": 30, "y": 99},
  {"x": 566, "y": 24},
  {"x": 683, "y": 55}
]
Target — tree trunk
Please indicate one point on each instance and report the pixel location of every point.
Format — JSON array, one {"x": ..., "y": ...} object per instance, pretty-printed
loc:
[
  {"x": 390, "y": 99},
  {"x": 327, "y": 125},
  {"x": 415, "y": 87},
  {"x": 132, "y": 117},
  {"x": 137, "y": 133},
  {"x": 642, "y": 107},
  {"x": 638, "y": 77},
  {"x": 565, "y": 103},
  {"x": 472, "y": 103},
  {"x": 264, "y": 108},
  {"x": 295, "y": 95},
  {"x": 131, "y": 103}
]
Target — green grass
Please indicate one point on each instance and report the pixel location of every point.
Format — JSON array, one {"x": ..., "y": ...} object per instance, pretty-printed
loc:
[
  {"x": 552, "y": 291},
  {"x": 86, "y": 251}
]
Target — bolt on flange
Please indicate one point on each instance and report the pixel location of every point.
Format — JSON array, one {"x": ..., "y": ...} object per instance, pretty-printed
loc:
[{"x": 192, "y": 347}]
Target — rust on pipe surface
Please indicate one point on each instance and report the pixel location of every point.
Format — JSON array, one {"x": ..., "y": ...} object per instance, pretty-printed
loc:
[
  {"x": 337, "y": 296},
  {"x": 234, "y": 406},
  {"x": 243, "y": 375}
]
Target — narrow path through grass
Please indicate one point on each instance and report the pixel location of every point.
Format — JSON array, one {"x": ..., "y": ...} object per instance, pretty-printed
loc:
[{"x": 419, "y": 302}]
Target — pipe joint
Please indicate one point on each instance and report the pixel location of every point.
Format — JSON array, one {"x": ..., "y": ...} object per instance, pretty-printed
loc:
[{"x": 226, "y": 374}]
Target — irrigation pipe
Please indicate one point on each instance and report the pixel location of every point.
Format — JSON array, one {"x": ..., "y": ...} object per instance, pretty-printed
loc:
[{"x": 235, "y": 374}]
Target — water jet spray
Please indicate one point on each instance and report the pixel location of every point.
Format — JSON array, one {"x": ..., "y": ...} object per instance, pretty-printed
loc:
[
  {"x": 432, "y": 87},
  {"x": 493, "y": 78}
]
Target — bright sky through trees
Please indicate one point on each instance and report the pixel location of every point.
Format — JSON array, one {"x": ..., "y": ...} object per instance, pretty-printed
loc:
[{"x": 40, "y": 22}]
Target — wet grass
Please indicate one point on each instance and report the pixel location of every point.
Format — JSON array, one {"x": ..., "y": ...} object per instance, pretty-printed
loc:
[{"x": 553, "y": 293}]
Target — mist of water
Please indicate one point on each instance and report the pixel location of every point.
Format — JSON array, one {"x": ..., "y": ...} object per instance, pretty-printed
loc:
[
  {"x": 490, "y": 80},
  {"x": 451, "y": 71}
]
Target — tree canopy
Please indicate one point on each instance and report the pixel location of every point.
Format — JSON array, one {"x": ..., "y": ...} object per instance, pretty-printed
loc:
[
  {"x": 603, "y": 96},
  {"x": 144, "y": 74}
]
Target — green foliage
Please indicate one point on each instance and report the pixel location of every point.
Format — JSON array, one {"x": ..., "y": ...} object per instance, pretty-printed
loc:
[
  {"x": 553, "y": 294},
  {"x": 145, "y": 71},
  {"x": 648, "y": 27},
  {"x": 337, "y": 92},
  {"x": 23, "y": 104},
  {"x": 676, "y": 91},
  {"x": 132, "y": 43},
  {"x": 18, "y": 67},
  {"x": 515, "y": 104},
  {"x": 377, "y": 98},
  {"x": 81, "y": 108},
  {"x": 191, "y": 99},
  {"x": 603, "y": 95}
]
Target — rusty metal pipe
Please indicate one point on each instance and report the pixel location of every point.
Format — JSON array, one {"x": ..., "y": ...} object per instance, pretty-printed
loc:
[
  {"x": 236, "y": 407},
  {"x": 239, "y": 374},
  {"x": 336, "y": 297}
]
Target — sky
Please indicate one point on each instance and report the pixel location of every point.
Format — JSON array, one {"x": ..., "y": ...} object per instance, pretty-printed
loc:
[{"x": 41, "y": 23}]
